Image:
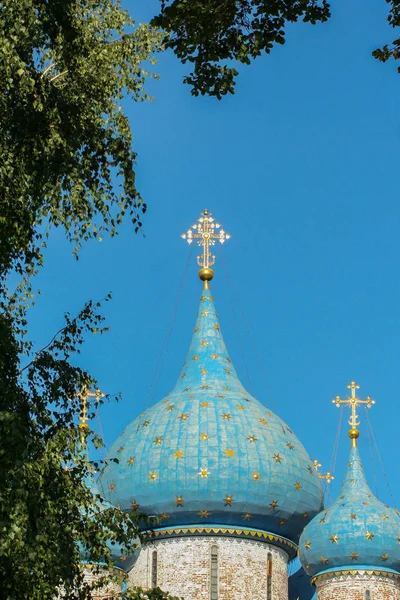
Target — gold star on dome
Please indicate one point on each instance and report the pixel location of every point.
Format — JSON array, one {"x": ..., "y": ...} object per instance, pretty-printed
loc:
[
  {"x": 203, "y": 298},
  {"x": 263, "y": 422},
  {"x": 291, "y": 447},
  {"x": 282, "y": 523},
  {"x": 278, "y": 458},
  {"x": 196, "y": 329},
  {"x": 203, "y": 371},
  {"x": 369, "y": 535},
  {"x": 195, "y": 357},
  {"x": 247, "y": 516},
  {"x": 153, "y": 476},
  {"x": 297, "y": 485},
  {"x": 384, "y": 557},
  {"x": 252, "y": 439},
  {"x": 216, "y": 326},
  {"x": 121, "y": 448},
  {"x": 214, "y": 356},
  {"x": 123, "y": 558},
  {"x": 334, "y": 539},
  {"x": 204, "y": 404},
  {"x": 203, "y": 514},
  {"x": 354, "y": 556},
  {"x": 158, "y": 440},
  {"x": 228, "y": 359},
  {"x": 186, "y": 389},
  {"x": 205, "y": 387},
  {"x": 178, "y": 454},
  {"x": 353, "y": 516},
  {"x": 229, "y": 452},
  {"x": 385, "y": 517},
  {"x": 183, "y": 416},
  {"x": 227, "y": 371},
  {"x": 273, "y": 504},
  {"x": 190, "y": 395},
  {"x": 204, "y": 343},
  {"x": 240, "y": 407},
  {"x": 204, "y": 313},
  {"x": 183, "y": 375},
  {"x": 307, "y": 544},
  {"x": 227, "y": 388},
  {"x": 304, "y": 515},
  {"x": 309, "y": 469},
  {"x": 204, "y": 473},
  {"x": 131, "y": 460},
  {"x": 112, "y": 486},
  {"x": 146, "y": 423},
  {"x": 220, "y": 396},
  {"x": 226, "y": 416},
  {"x": 204, "y": 436},
  {"x": 170, "y": 406},
  {"x": 324, "y": 560},
  {"x": 164, "y": 516},
  {"x": 179, "y": 501},
  {"x": 135, "y": 505},
  {"x": 228, "y": 500},
  {"x": 365, "y": 503},
  {"x": 322, "y": 520},
  {"x": 256, "y": 476}
]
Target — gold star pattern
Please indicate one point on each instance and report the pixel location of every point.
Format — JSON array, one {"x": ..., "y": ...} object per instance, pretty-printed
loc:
[
  {"x": 354, "y": 556},
  {"x": 220, "y": 396},
  {"x": 204, "y": 404},
  {"x": 385, "y": 517},
  {"x": 183, "y": 416},
  {"x": 146, "y": 423},
  {"x": 135, "y": 505},
  {"x": 170, "y": 406},
  {"x": 204, "y": 313},
  {"x": 112, "y": 486},
  {"x": 281, "y": 523},
  {"x": 216, "y": 326},
  {"x": 153, "y": 476},
  {"x": 324, "y": 560},
  {"x": 240, "y": 407},
  {"x": 178, "y": 454},
  {"x": 247, "y": 516},
  {"x": 204, "y": 436},
  {"x": 179, "y": 501},
  {"x": 369, "y": 535},
  {"x": 164, "y": 516},
  {"x": 227, "y": 388},
  {"x": 204, "y": 473},
  {"x": 121, "y": 448},
  {"x": 384, "y": 557},
  {"x": 186, "y": 389},
  {"x": 205, "y": 387},
  {"x": 229, "y": 452},
  {"x": 226, "y": 416},
  {"x": 183, "y": 375},
  {"x": 131, "y": 460},
  {"x": 263, "y": 422},
  {"x": 307, "y": 544},
  {"x": 252, "y": 439},
  {"x": 297, "y": 485},
  {"x": 195, "y": 357},
  {"x": 353, "y": 516},
  {"x": 190, "y": 395},
  {"x": 158, "y": 440},
  {"x": 273, "y": 504},
  {"x": 228, "y": 500},
  {"x": 277, "y": 458},
  {"x": 322, "y": 520},
  {"x": 334, "y": 538},
  {"x": 304, "y": 515},
  {"x": 291, "y": 447},
  {"x": 227, "y": 371},
  {"x": 256, "y": 476},
  {"x": 203, "y": 514},
  {"x": 196, "y": 329},
  {"x": 214, "y": 356},
  {"x": 204, "y": 343}
]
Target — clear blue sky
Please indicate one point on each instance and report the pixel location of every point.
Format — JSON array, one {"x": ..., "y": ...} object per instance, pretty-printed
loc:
[{"x": 301, "y": 166}]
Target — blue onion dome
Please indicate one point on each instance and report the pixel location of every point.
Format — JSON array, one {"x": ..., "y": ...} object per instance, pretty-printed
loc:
[
  {"x": 300, "y": 587},
  {"x": 357, "y": 530},
  {"x": 210, "y": 453}
]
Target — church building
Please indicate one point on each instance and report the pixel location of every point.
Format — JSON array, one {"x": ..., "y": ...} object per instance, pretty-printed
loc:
[{"x": 237, "y": 495}]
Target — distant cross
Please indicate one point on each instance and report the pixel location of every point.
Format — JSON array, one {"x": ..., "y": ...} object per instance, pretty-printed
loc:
[
  {"x": 83, "y": 396},
  {"x": 328, "y": 477},
  {"x": 205, "y": 231},
  {"x": 353, "y": 401}
]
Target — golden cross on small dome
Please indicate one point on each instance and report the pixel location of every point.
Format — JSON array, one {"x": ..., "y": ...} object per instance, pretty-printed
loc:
[
  {"x": 83, "y": 396},
  {"x": 207, "y": 232},
  {"x": 353, "y": 401}
]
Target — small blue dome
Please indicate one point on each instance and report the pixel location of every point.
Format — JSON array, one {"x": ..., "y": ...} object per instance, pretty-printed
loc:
[
  {"x": 210, "y": 453},
  {"x": 356, "y": 530}
]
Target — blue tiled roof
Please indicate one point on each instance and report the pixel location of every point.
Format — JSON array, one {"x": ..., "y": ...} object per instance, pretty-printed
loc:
[
  {"x": 357, "y": 529},
  {"x": 211, "y": 453},
  {"x": 300, "y": 587}
]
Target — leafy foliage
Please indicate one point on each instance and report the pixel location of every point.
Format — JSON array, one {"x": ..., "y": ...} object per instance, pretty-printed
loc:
[
  {"x": 387, "y": 52},
  {"x": 65, "y": 66},
  {"x": 210, "y": 33}
]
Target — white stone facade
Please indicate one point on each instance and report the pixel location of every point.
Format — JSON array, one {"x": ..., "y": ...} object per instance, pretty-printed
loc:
[
  {"x": 184, "y": 568},
  {"x": 356, "y": 586}
]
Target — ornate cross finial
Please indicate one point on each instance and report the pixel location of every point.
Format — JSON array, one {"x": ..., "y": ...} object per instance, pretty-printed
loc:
[
  {"x": 328, "y": 477},
  {"x": 83, "y": 396},
  {"x": 205, "y": 231},
  {"x": 353, "y": 402}
]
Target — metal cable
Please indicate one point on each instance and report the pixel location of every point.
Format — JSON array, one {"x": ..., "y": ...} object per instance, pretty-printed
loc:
[
  {"x": 332, "y": 464},
  {"x": 371, "y": 456}
]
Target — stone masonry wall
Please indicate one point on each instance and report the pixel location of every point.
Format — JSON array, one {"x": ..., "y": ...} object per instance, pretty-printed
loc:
[
  {"x": 184, "y": 564},
  {"x": 354, "y": 587}
]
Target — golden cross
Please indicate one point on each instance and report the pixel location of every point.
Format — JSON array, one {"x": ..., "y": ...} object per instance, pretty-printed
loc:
[
  {"x": 353, "y": 401},
  {"x": 83, "y": 396},
  {"x": 205, "y": 231},
  {"x": 328, "y": 477}
]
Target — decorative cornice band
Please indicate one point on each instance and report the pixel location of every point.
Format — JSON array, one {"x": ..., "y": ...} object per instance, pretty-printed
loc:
[
  {"x": 354, "y": 572},
  {"x": 262, "y": 536}
]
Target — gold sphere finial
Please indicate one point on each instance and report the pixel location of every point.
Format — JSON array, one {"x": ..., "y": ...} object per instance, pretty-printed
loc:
[
  {"x": 354, "y": 433},
  {"x": 206, "y": 274}
]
